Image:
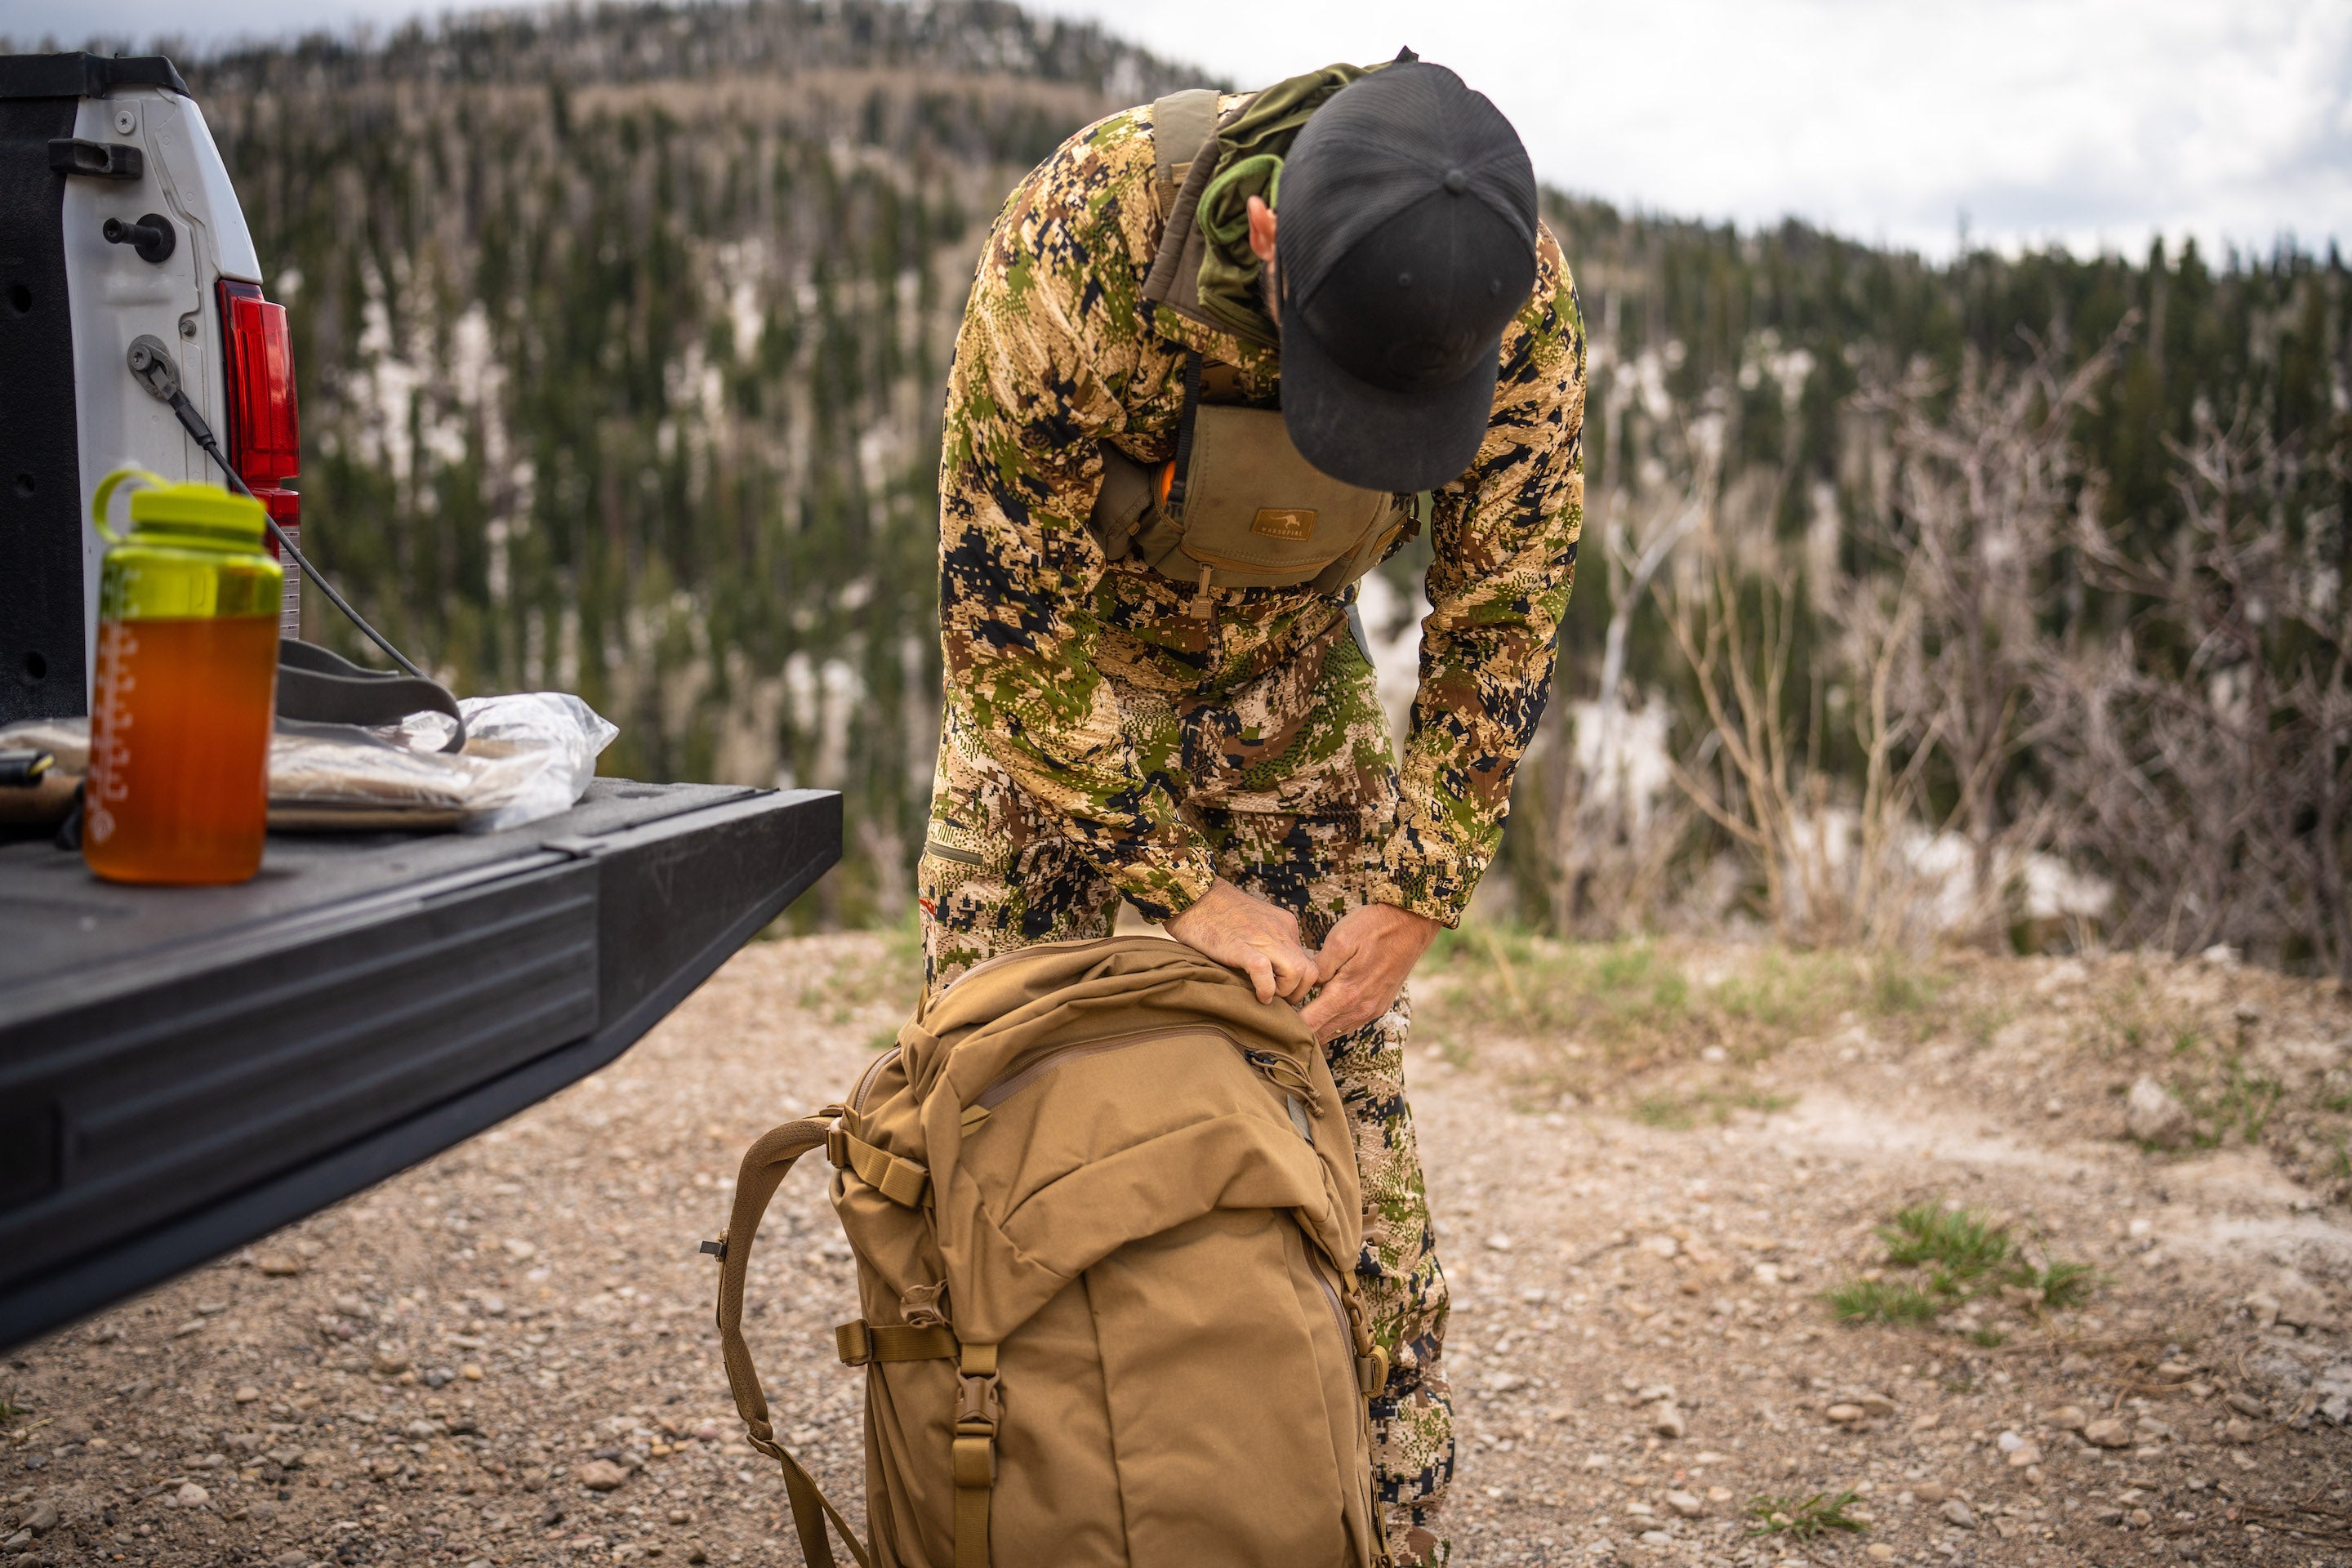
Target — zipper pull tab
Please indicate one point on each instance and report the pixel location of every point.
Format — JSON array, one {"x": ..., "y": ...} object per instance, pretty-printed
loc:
[{"x": 1202, "y": 608}]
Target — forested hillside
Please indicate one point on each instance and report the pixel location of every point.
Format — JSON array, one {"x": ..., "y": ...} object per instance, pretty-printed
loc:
[{"x": 621, "y": 336}]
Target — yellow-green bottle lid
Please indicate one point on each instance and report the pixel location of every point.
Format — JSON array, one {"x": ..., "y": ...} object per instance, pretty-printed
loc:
[{"x": 203, "y": 511}]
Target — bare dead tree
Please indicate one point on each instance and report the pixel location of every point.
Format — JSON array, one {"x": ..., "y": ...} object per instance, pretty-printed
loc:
[
  {"x": 1983, "y": 496},
  {"x": 2208, "y": 751}
]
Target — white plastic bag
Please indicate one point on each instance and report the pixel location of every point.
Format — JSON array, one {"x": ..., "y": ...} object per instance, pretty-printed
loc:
[{"x": 528, "y": 755}]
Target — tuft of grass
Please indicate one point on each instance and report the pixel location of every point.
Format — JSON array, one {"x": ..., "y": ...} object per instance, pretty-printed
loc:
[
  {"x": 1680, "y": 1111},
  {"x": 2062, "y": 1287},
  {"x": 1989, "y": 1337},
  {"x": 1882, "y": 1301},
  {"x": 1801, "y": 1518},
  {"x": 1898, "y": 988},
  {"x": 1960, "y": 1255},
  {"x": 1960, "y": 1243},
  {"x": 10, "y": 1410}
]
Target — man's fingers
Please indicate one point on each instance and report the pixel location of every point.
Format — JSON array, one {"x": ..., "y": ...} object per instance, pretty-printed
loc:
[
  {"x": 1337, "y": 949},
  {"x": 1335, "y": 1013},
  {"x": 1294, "y": 973},
  {"x": 1261, "y": 973}
]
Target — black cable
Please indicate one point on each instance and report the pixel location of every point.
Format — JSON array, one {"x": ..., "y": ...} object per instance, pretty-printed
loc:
[{"x": 194, "y": 423}]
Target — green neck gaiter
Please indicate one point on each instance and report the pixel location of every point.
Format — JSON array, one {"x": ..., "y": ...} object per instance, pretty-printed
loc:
[{"x": 1249, "y": 163}]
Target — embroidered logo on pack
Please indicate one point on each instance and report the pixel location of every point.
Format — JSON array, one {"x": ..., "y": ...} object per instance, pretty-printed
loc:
[{"x": 1284, "y": 522}]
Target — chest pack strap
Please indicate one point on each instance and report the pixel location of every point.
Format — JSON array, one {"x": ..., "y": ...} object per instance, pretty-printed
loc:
[
  {"x": 1185, "y": 422},
  {"x": 1182, "y": 123}
]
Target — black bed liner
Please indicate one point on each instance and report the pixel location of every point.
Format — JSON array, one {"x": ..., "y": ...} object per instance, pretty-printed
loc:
[{"x": 185, "y": 1069}]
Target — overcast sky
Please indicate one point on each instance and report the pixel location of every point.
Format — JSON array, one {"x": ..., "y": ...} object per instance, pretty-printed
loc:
[{"x": 2091, "y": 122}]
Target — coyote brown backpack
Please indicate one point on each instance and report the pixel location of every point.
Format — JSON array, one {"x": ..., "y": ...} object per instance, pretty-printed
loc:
[{"x": 1105, "y": 1210}]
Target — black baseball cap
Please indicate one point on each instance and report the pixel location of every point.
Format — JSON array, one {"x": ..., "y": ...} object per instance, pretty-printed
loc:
[{"x": 1407, "y": 243}]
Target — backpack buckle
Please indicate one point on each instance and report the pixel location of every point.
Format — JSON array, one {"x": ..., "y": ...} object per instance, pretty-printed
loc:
[
  {"x": 837, "y": 1146},
  {"x": 978, "y": 1410}
]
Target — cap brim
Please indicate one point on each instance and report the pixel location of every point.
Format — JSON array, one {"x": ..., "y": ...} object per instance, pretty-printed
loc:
[{"x": 1369, "y": 437}]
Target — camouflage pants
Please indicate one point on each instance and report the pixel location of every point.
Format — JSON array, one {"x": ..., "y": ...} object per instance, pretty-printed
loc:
[{"x": 996, "y": 875}]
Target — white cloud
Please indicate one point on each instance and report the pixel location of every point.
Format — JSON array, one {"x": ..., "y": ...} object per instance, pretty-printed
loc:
[
  {"x": 2095, "y": 122},
  {"x": 2091, "y": 121}
]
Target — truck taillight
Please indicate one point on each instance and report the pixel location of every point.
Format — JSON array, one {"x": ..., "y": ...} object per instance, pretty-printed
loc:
[{"x": 265, "y": 443}]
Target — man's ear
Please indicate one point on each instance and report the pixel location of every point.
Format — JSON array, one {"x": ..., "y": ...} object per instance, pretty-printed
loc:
[{"x": 1261, "y": 227}]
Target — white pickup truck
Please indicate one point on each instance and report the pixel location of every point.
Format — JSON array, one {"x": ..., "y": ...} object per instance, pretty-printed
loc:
[
  {"x": 117, "y": 225},
  {"x": 181, "y": 1070}
]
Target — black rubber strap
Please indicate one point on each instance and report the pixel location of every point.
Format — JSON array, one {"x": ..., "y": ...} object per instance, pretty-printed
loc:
[
  {"x": 1184, "y": 430},
  {"x": 325, "y": 687}
]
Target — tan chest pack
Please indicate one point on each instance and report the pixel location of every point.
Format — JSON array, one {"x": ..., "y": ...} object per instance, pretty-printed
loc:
[{"x": 1237, "y": 506}]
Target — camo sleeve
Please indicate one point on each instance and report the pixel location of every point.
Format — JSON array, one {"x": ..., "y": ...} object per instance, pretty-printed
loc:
[
  {"x": 1051, "y": 338},
  {"x": 1504, "y": 542}
]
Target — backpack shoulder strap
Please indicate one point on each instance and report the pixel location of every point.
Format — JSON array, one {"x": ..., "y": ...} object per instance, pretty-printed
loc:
[
  {"x": 1181, "y": 123},
  {"x": 765, "y": 1166}
]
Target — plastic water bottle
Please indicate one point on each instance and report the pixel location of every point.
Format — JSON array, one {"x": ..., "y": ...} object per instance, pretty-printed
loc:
[{"x": 187, "y": 680}]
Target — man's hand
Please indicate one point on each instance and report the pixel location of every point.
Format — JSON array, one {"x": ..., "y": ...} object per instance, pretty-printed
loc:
[
  {"x": 1244, "y": 933},
  {"x": 1364, "y": 965}
]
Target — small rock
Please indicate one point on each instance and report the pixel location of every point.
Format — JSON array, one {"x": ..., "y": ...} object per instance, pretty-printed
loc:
[
  {"x": 1663, "y": 1246},
  {"x": 697, "y": 1555},
  {"x": 1879, "y": 1552},
  {"x": 521, "y": 1251},
  {"x": 471, "y": 1372},
  {"x": 2152, "y": 1116},
  {"x": 1767, "y": 1274},
  {"x": 2141, "y": 1518},
  {"x": 599, "y": 1475},
  {"x": 1667, "y": 1420},
  {"x": 1688, "y": 1505},
  {"x": 2175, "y": 1372},
  {"x": 2107, "y": 1433},
  {"x": 190, "y": 1327},
  {"x": 1931, "y": 1491},
  {"x": 423, "y": 1430},
  {"x": 2238, "y": 1429},
  {"x": 388, "y": 1364},
  {"x": 190, "y": 1495},
  {"x": 1504, "y": 1381},
  {"x": 2069, "y": 1418},
  {"x": 2262, "y": 1308},
  {"x": 43, "y": 1518},
  {"x": 277, "y": 1265},
  {"x": 1957, "y": 1513},
  {"x": 2009, "y": 1442},
  {"x": 2023, "y": 1458},
  {"x": 247, "y": 1394},
  {"x": 1844, "y": 1413},
  {"x": 1875, "y": 1405}
]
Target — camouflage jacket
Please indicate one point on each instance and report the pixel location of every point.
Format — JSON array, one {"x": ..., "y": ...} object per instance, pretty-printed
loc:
[{"x": 1057, "y": 351}]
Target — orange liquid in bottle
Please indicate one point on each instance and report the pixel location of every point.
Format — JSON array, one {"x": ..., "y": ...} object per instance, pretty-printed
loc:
[{"x": 179, "y": 754}]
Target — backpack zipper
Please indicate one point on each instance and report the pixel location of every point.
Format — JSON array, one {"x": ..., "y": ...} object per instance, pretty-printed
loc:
[{"x": 1338, "y": 1314}]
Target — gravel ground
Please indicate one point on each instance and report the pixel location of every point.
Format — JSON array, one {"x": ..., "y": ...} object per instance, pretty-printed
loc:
[{"x": 506, "y": 1356}]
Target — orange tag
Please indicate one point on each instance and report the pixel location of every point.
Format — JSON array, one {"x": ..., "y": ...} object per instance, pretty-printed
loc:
[{"x": 1284, "y": 522}]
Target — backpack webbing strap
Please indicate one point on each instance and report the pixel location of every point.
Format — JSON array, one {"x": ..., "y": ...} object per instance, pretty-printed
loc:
[
  {"x": 903, "y": 1182},
  {"x": 977, "y": 1414},
  {"x": 860, "y": 1342},
  {"x": 765, "y": 1166}
]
